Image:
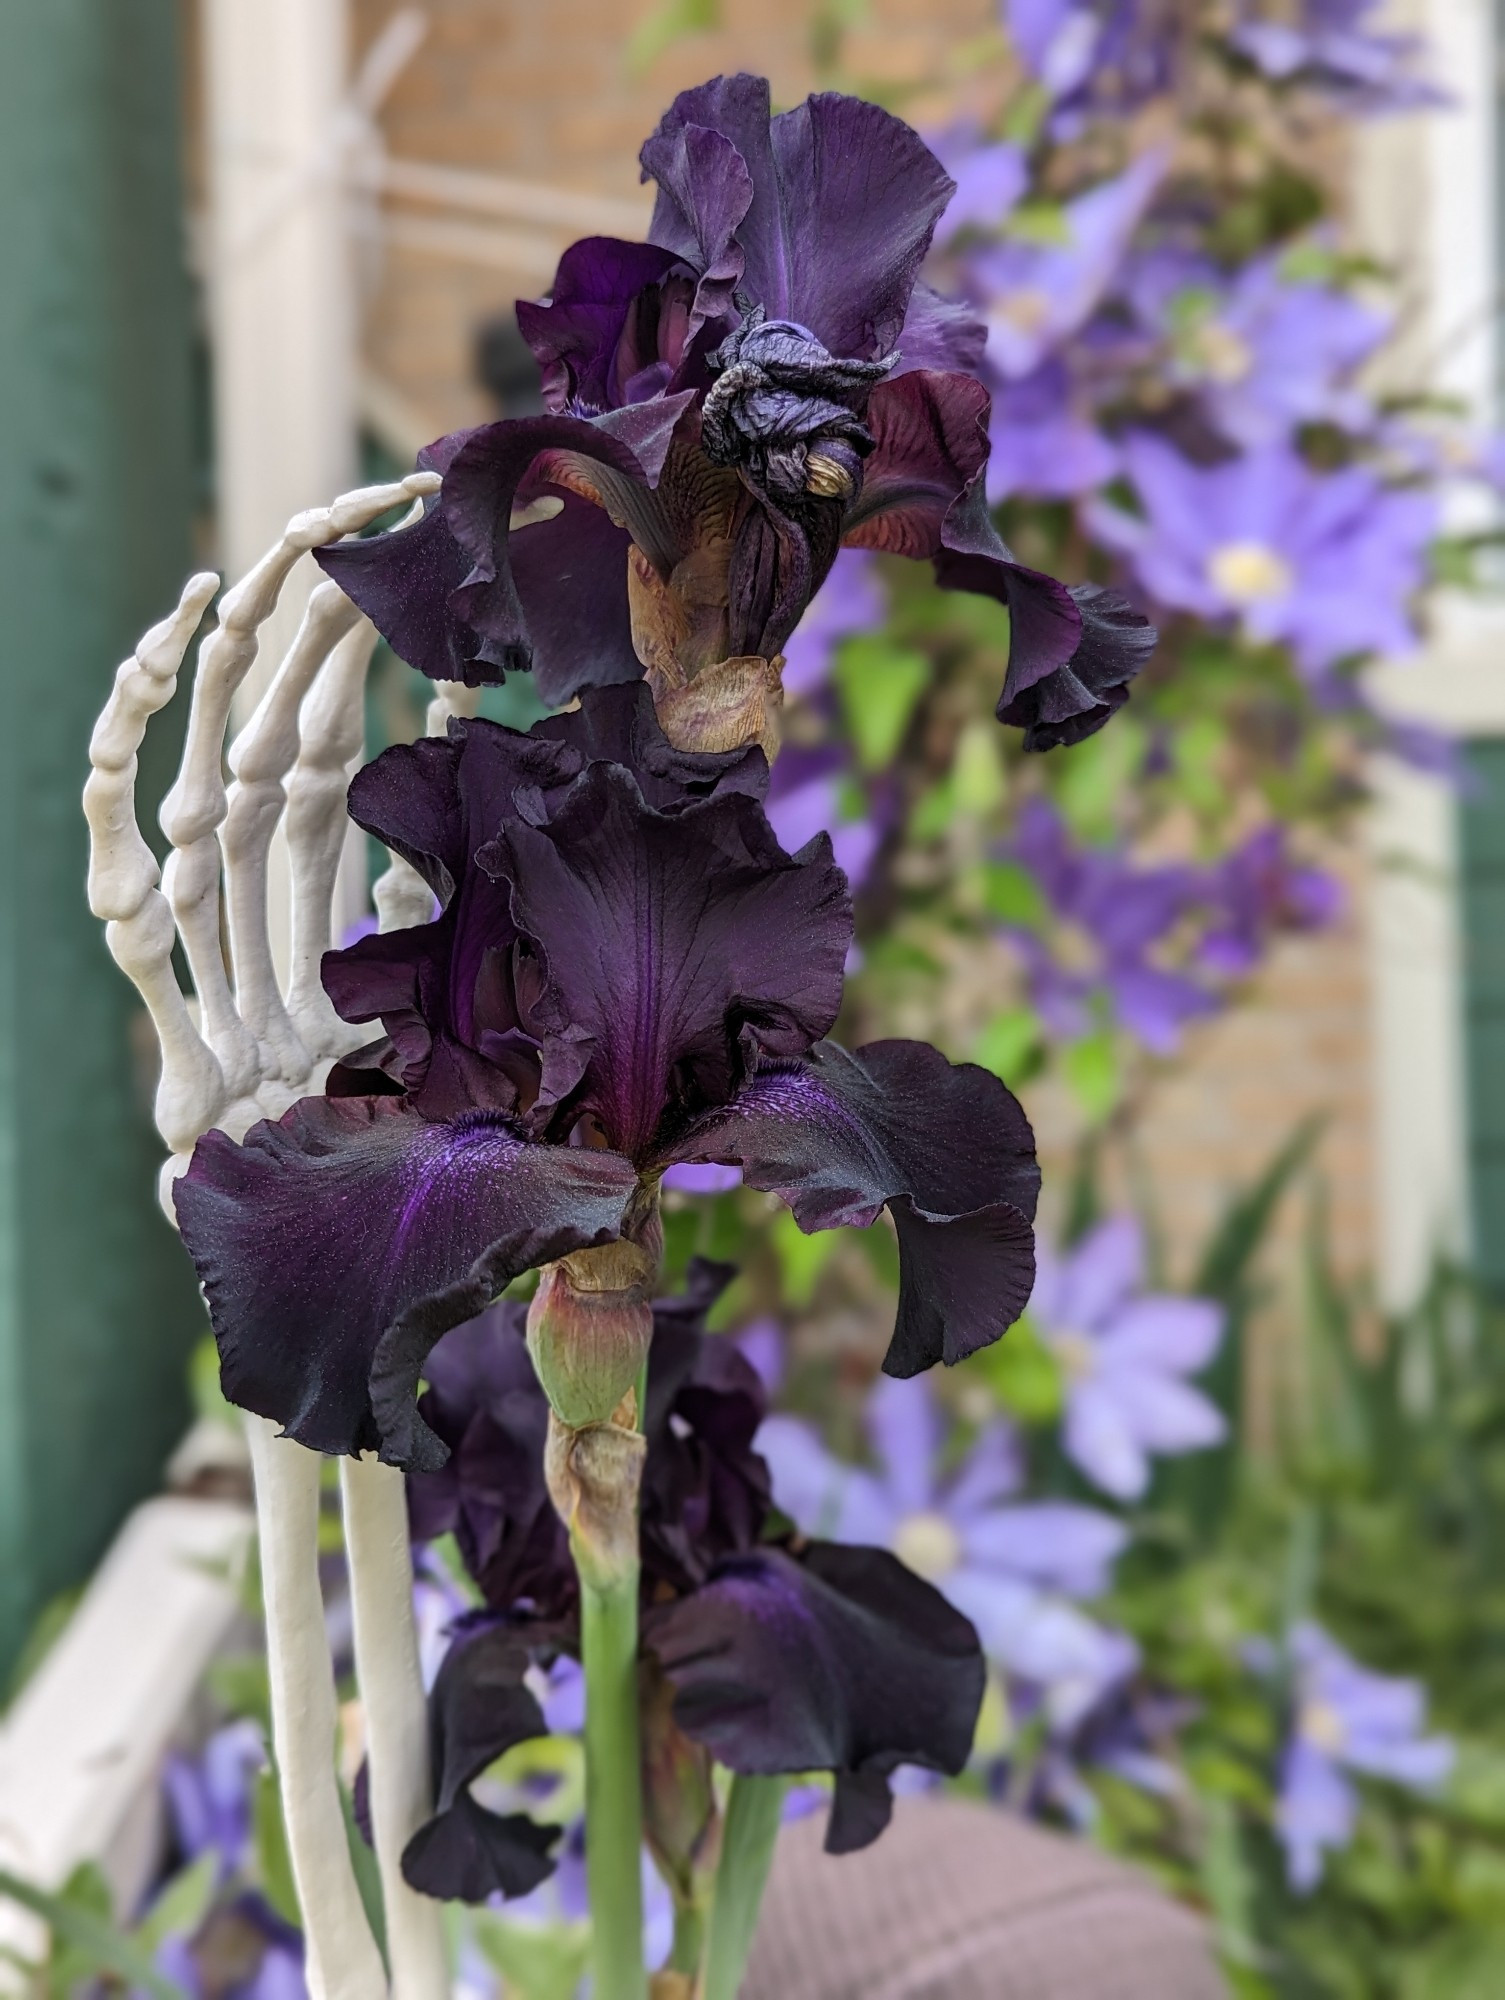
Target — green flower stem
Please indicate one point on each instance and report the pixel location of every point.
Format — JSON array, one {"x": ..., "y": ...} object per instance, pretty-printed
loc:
[
  {"x": 752, "y": 1826},
  {"x": 689, "y": 1938},
  {"x": 613, "y": 1785}
]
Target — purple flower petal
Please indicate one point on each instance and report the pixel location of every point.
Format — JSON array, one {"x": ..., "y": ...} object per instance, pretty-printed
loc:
[
  {"x": 905, "y": 1428},
  {"x": 576, "y": 337},
  {"x": 1055, "y": 1543},
  {"x": 1165, "y": 1332},
  {"x": 1164, "y": 1414},
  {"x": 992, "y": 1470},
  {"x": 1102, "y": 1270},
  {"x": 1316, "y": 1810},
  {"x": 945, "y": 1147},
  {"x": 673, "y": 944},
  {"x": 1099, "y": 1438},
  {"x": 335, "y": 1246},
  {"x": 839, "y": 1660}
]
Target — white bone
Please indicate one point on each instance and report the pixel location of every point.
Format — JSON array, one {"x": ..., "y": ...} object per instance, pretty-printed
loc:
[{"x": 247, "y": 1053}]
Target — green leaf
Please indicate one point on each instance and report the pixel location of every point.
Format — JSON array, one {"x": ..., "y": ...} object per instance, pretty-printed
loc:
[
  {"x": 538, "y": 1961},
  {"x": 1008, "y": 1043},
  {"x": 879, "y": 685},
  {"x": 269, "y": 1837},
  {"x": 801, "y": 1258},
  {"x": 1096, "y": 775},
  {"x": 1238, "y": 1236},
  {"x": 977, "y": 779},
  {"x": 77, "y": 1922},
  {"x": 1090, "y": 1067},
  {"x": 1039, "y": 222},
  {"x": 180, "y": 1907},
  {"x": 1012, "y": 895},
  {"x": 1022, "y": 1374}
]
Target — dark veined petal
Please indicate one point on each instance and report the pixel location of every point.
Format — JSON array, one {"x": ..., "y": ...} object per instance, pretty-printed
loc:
[
  {"x": 705, "y": 191},
  {"x": 845, "y": 198},
  {"x": 838, "y": 1660},
  {"x": 485, "y": 1404},
  {"x": 444, "y": 594},
  {"x": 669, "y": 940},
  {"x": 944, "y": 1146},
  {"x": 480, "y": 1706},
  {"x": 335, "y": 1246},
  {"x": 575, "y": 335},
  {"x": 1072, "y": 652}
]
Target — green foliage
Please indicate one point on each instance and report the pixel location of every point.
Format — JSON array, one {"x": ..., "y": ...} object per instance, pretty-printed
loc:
[
  {"x": 880, "y": 685},
  {"x": 86, "y": 1943}
]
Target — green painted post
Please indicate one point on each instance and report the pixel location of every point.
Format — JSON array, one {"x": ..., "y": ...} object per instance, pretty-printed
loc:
[{"x": 96, "y": 1309}]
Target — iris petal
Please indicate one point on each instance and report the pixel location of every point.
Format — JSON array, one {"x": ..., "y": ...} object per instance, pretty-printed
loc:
[
  {"x": 946, "y": 1147},
  {"x": 335, "y": 1246},
  {"x": 840, "y": 1660}
]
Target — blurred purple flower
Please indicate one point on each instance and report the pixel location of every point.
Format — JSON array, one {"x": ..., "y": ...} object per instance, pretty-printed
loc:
[
  {"x": 1094, "y": 55},
  {"x": 701, "y": 1177},
  {"x": 1109, "y": 915},
  {"x": 209, "y": 1797},
  {"x": 1124, "y": 1358},
  {"x": 1267, "y": 353},
  {"x": 1322, "y": 561},
  {"x": 850, "y": 600},
  {"x": 1331, "y": 46},
  {"x": 990, "y": 180},
  {"x": 1036, "y": 294},
  {"x": 1345, "y": 1719},
  {"x": 1258, "y": 890},
  {"x": 1045, "y": 444},
  {"x": 1008, "y": 1566}
]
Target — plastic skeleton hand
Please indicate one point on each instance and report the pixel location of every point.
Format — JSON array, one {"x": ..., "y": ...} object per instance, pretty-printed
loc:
[{"x": 253, "y": 1047}]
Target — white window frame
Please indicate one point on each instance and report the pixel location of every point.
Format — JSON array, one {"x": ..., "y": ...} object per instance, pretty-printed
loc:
[{"x": 1425, "y": 197}]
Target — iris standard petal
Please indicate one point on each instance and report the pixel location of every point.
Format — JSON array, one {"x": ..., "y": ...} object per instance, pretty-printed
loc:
[
  {"x": 944, "y": 1146},
  {"x": 576, "y": 334},
  {"x": 673, "y": 943},
  {"x": 840, "y": 1660},
  {"x": 336, "y": 1246}
]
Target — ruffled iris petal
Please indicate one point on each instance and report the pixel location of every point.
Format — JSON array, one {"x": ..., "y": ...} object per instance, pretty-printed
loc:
[
  {"x": 947, "y": 1149},
  {"x": 841, "y": 1660},
  {"x": 480, "y": 1706},
  {"x": 335, "y": 1246},
  {"x": 668, "y": 941}
]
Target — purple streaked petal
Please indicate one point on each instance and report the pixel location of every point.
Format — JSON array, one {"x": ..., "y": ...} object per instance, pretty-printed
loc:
[
  {"x": 575, "y": 336},
  {"x": 947, "y": 1149},
  {"x": 839, "y": 1660},
  {"x": 669, "y": 941},
  {"x": 1164, "y": 1332},
  {"x": 335, "y": 1246},
  {"x": 905, "y": 1428},
  {"x": 704, "y": 194},
  {"x": 1100, "y": 1440},
  {"x": 1055, "y": 1543}
]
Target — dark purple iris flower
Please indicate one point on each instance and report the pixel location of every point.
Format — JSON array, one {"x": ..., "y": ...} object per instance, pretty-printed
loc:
[
  {"x": 728, "y": 404},
  {"x": 627, "y": 971},
  {"x": 780, "y": 1658}
]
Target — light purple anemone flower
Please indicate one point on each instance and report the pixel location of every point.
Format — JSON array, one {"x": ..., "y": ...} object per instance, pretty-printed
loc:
[
  {"x": 1012, "y": 1567},
  {"x": 1332, "y": 46},
  {"x": 991, "y": 179},
  {"x": 1266, "y": 352},
  {"x": 1035, "y": 295},
  {"x": 1346, "y": 1719},
  {"x": 1325, "y": 562},
  {"x": 1109, "y": 916},
  {"x": 1125, "y": 1356}
]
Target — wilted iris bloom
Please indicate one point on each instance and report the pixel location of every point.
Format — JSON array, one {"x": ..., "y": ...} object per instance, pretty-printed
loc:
[
  {"x": 1108, "y": 917},
  {"x": 627, "y": 971},
  {"x": 1345, "y": 1720},
  {"x": 1325, "y": 562},
  {"x": 1124, "y": 1357},
  {"x": 1011, "y": 1566},
  {"x": 727, "y": 404},
  {"x": 771, "y": 1658},
  {"x": 1337, "y": 46}
]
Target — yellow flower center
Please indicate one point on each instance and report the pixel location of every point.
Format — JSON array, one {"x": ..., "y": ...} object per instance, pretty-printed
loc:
[
  {"x": 929, "y": 1545},
  {"x": 1249, "y": 572},
  {"x": 1221, "y": 354},
  {"x": 1323, "y": 1727},
  {"x": 1026, "y": 311},
  {"x": 1076, "y": 1355}
]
